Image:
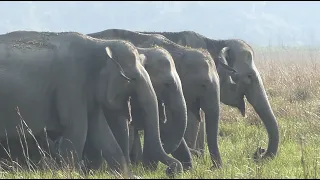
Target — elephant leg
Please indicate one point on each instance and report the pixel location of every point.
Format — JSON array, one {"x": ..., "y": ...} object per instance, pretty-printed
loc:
[
  {"x": 136, "y": 150},
  {"x": 46, "y": 152},
  {"x": 74, "y": 121},
  {"x": 25, "y": 151},
  {"x": 118, "y": 122},
  {"x": 182, "y": 153},
  {"x": 103, "y": 140},
  {"x": 191, "y": 133},
  {"x": 131, "y": 136},
  {"x": 92, "y": 156},
  {"x": 201, "y": 138},
  {"x": 195, "y": 152},
  {"x": 13, "y": 151},
  {"x": 69, "y": 142}
]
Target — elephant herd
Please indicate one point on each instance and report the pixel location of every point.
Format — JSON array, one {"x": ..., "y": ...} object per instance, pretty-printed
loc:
[{"x": 92, "y": 94}]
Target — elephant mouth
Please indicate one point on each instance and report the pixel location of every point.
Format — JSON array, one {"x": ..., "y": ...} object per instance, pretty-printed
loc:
[
  {"x": 242, "y": 106},
  {"x": 118, "y": 101}
]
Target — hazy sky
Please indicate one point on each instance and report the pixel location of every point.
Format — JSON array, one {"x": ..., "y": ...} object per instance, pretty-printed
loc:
[{"x": 259, "y": 23}]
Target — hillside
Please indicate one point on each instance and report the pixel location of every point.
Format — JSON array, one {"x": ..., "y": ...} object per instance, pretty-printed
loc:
[{"x": 259, "y": 23}]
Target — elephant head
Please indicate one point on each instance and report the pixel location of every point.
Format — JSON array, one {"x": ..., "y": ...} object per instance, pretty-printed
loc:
[
  {"x": 166, "y": 82},
  {"x": 245, "y": 80},
  {"x": 201, "y": 89},
  {"x": 115, "y": 88},
  {"x": 230, "y": 93}
]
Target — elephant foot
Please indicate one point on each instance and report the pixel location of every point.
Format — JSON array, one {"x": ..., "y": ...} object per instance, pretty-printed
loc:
[
  {"x": 150, "y": 166},
  {"x": 174, "y": 169},
  {"x": 47, "y": 163},
  {"x": 135, "y": 177},
  {"x": 122, "y": 175},
  {"x": 134, "y": 163},
  {"x": 216, "y": 165},
  {"x": 132, "y": 176},
  {"x": 186, "y": 166},
  {"x": 135, "y": 160},
  {"x": 195, "y": 153},
  {"x": 259, "y": 154},
  {"x": 201, "y": 152},
  {"x": 262, "y": 154},
  {"x": 83, "y": 169}
]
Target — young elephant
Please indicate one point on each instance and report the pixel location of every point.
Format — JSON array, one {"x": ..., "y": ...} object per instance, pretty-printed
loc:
[
  {"x": 199, "y": 80},
  {"x": 64, "y": 81},
  {"x": 166, "y": 82}
]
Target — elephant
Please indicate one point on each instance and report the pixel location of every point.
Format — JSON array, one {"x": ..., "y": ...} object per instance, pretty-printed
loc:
[
  {"x": 65, "y": 82},
  {"x": 245, "y": 81},
  {"x": 200, "y": 84},
  {"x": 167, "y": 85}
]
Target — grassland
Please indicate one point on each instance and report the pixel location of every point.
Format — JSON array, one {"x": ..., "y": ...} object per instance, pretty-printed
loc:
[{"x": 291, "y": 77}]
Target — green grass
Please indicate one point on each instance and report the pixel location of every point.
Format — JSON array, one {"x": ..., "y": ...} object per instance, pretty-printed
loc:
[{"x": 292, "y": 82}]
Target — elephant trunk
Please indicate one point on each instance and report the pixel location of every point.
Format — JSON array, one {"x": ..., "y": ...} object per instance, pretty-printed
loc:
[
  {"x": 152, "y": 148},
  {"x": 173, "y": 130},
  {"x": 257, "y": 97},
  {"x": 210, "y": 104}
]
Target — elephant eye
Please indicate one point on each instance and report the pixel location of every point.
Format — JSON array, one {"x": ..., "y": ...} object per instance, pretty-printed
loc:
[
  {"x": 250, "y": 76},
  {"x": 166, "y": 84},
  {"x": 132, "y": 80}
]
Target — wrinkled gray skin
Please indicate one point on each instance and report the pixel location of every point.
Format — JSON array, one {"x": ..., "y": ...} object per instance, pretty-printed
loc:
[
  {"x": 65, "y": 82},
  {"x": 246, "y": 81},
  {"x": 168, "y": 88},
  {"x": 167, "y": 84},
  {"x": 200, "y": 85}
]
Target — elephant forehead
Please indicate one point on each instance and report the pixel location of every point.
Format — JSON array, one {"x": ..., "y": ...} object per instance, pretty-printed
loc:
[
  {"x": 197, "y": 59},
  {"x": 239, "y": 46},
  {"x": 126, "y": 55},
  {"x": 156, "y": 58},
  {"x": 157, "y": 70},
  {"x": 161, "y": 62}
]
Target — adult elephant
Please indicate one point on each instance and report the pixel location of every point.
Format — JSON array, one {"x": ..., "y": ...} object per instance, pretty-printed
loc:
[
  {"x": 245, "y": 82},
  {"x": 168, "y": 88},
  {"x": 64, "y": 81},
  {"x": 200, "y": 84},
  {"x": 167, "y": 84}
]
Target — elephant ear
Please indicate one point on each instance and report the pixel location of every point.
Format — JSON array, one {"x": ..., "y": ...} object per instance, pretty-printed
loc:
[
  {"x": 229, "y": 56},
  {"x": 109, "y": 55},
  {"x": 223, "y": 67}
]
